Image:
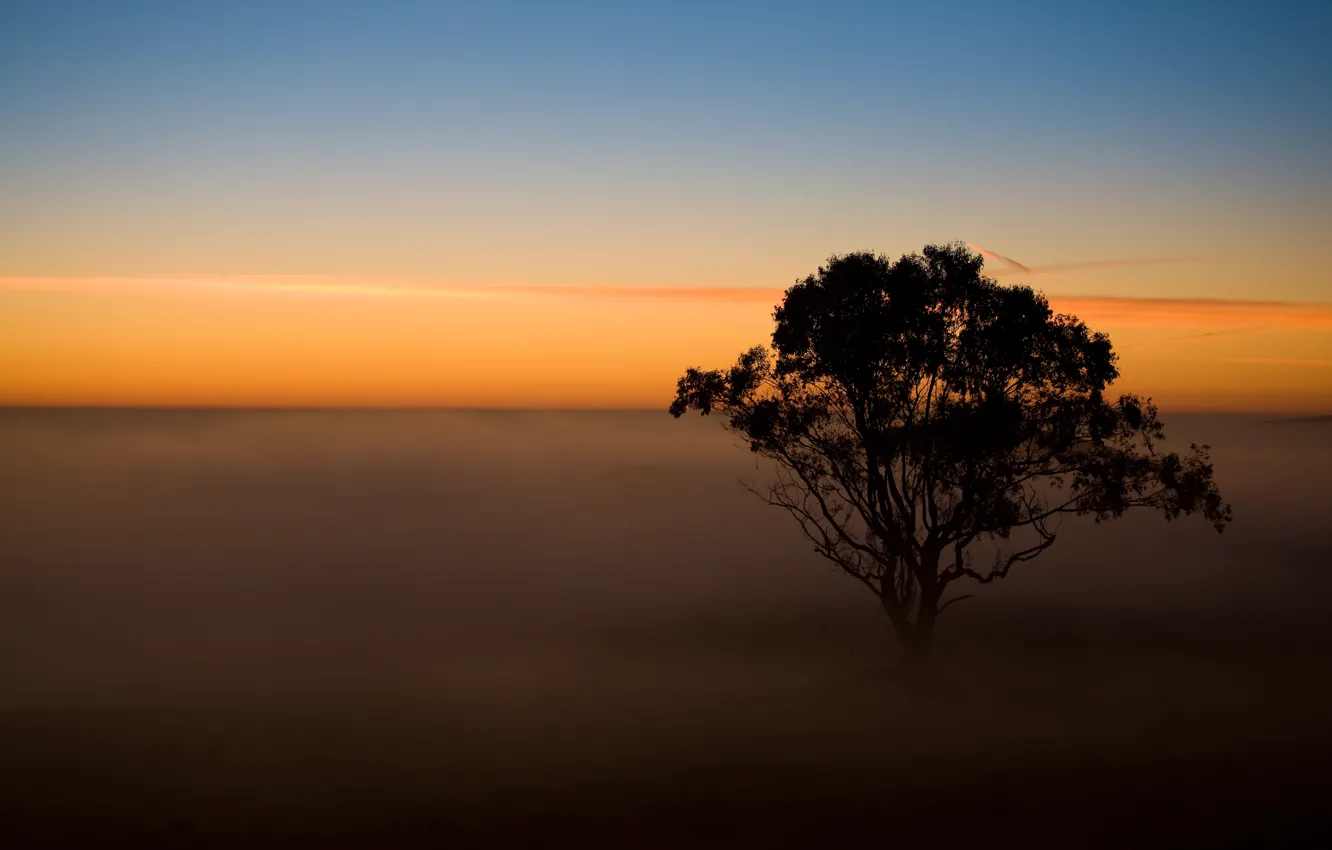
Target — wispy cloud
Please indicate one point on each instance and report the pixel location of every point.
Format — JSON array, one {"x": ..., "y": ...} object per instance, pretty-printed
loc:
[
  {"x": 1221, "y": 333},
  {"x": 691, "y": 293},
  {"x": 252, "y": 284},
  {"x": 1011, "y": 263},
  {"x": 1283, "y": 361},
  {"x": 1217, "y": 316},
  {"x": 1008, "y": 265},
  {"x": 373, "y": 288},
  {"x": 1209, "y": 316}
]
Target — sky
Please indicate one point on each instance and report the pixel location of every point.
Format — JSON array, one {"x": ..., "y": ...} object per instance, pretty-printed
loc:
[{"x": 509, "y": 204}]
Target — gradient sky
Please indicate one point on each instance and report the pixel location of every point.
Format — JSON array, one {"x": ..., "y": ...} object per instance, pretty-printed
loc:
[{"x": 516, "y": 204}]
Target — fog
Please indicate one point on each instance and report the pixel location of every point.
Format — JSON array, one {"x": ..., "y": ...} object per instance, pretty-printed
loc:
[{"x": 383, "y": 628}]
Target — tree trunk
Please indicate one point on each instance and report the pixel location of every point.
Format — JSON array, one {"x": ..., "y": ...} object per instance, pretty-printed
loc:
[
  {"x": 915, "y": 639},
  {"x": 919, "y": 639},
  {"x": 918, "y": 642}
]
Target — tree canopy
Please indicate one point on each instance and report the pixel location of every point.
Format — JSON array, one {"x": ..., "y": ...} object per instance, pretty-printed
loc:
[{"x": 916, "y": 408}]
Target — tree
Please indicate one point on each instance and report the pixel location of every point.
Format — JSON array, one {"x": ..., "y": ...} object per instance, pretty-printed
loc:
[{"x": 918, "y": 412}]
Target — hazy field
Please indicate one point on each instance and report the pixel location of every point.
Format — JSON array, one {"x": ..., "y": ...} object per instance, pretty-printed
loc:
[{"x": 404, "y": 629}]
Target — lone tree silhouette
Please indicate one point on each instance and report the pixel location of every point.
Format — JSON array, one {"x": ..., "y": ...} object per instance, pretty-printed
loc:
[{"x": 917, "y": 410}]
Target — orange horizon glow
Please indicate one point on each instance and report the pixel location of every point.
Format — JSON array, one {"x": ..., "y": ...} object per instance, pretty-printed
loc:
[{"x": 291, "y": 341}]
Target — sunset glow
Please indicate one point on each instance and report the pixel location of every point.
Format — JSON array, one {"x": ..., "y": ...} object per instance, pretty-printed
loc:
[
  {"x": 499, "y": 205},
  {"x": 295, "y": 340}
]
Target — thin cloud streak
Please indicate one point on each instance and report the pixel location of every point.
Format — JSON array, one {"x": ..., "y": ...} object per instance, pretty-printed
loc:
[
  {"x": 1221, "y": 333},
  {"x": 690, "y": 293},
  {"x": 1282, "y": 361},
  {"x": 347, "y": 286},
  {"x": 1216, "y": 316},
  {"x": 1011, "y": 265},
  {"x": 243, "y": 284},
  {"x": 1219, "y": 316},
  {"x": 1090, "y": 265}
]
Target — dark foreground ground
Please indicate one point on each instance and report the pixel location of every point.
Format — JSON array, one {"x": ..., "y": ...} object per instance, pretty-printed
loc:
[
  {"x": 784, "y": 732},
  {"x": 379, "y": 630}
]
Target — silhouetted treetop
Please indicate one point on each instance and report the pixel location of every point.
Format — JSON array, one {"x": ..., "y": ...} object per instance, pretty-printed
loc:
[{"x": 916, "y": 407}]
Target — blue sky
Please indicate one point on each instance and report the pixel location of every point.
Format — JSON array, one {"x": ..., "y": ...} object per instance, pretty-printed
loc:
[{"x": 1056, "y": 129}]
